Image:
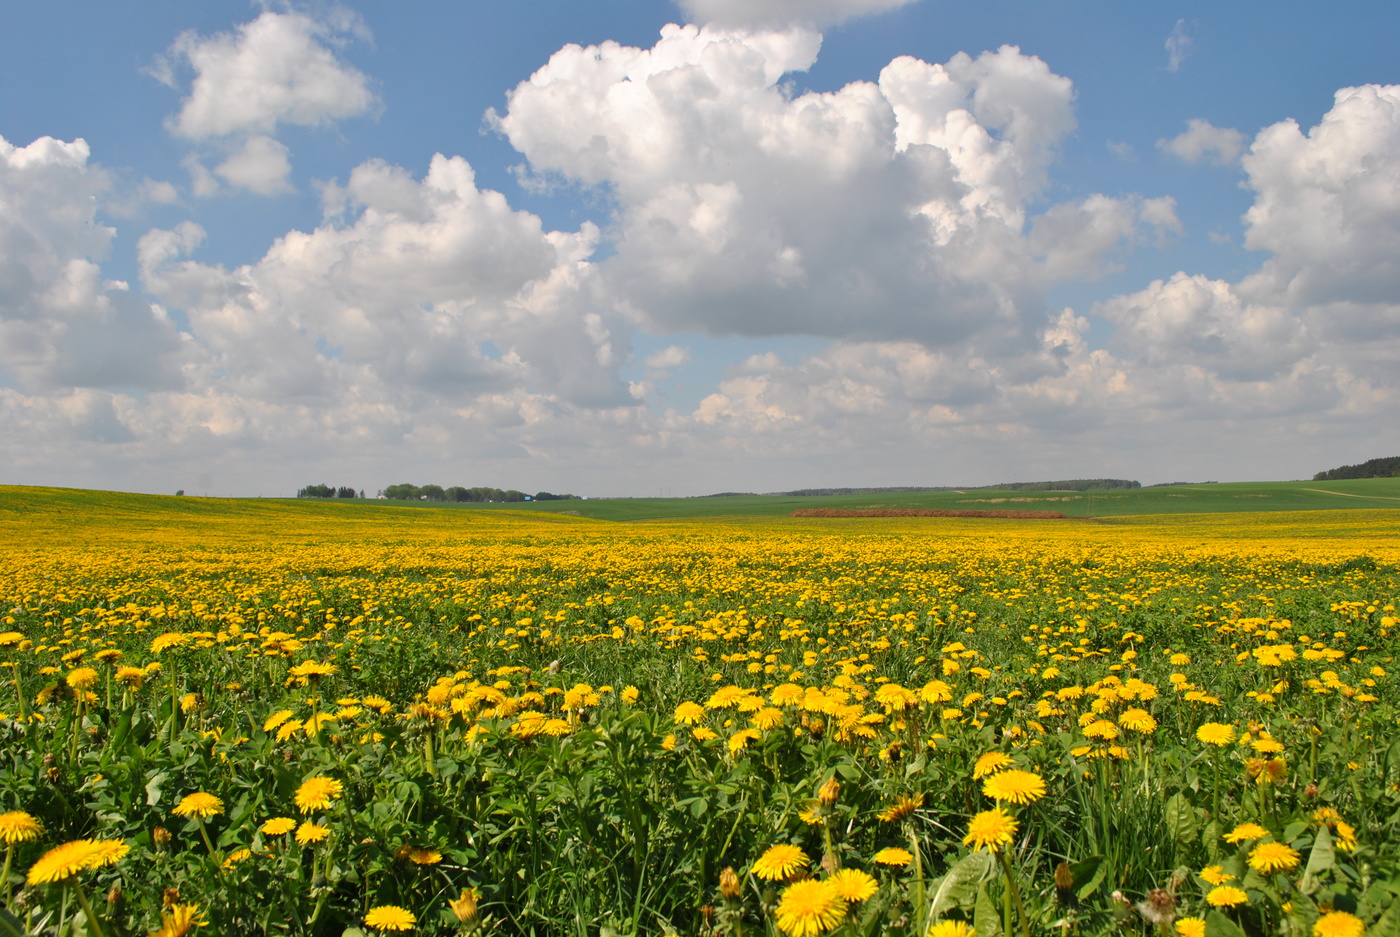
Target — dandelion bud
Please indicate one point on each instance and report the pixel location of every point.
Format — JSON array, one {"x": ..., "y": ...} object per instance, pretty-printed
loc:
[
  {"x": 729, "y": 883},
  {"x": 553, "y": 667},
  {"x": 114, "y": 898},
  {"x": 1064, "y": 883},
  {"x": 707, "y": 911},
  {"x": 49, "y": 759},
  {"x": 171, "y": 896},
  {"x": 161, "y": 837},
  {"x": 1310, "y": 791},
  {"x": 829, "y": 791},
  {"x": 464, "y": 907}
]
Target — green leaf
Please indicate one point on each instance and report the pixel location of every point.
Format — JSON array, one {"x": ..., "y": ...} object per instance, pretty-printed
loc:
[
  {"x": 1090, "y": 872},
  {"x": 985, "y": 920},
  {"x": 957, "y": 888},
  {"x": 153, "y": 788},
  {"x": 1181, "y": 819},
  {"x": 1218, "y": 925},
  {"x": 1322, "y": 858},
  {"x": 1388, "y": 925}
]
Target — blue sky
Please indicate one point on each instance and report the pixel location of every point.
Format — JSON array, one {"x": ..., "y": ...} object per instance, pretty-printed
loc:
[{"x": 800, "y": 242}]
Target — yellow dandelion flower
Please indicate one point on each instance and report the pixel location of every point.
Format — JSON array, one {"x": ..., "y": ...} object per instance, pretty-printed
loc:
[
  {"x": 309, "y": 833},
  {"x": 1269, "y": 858},
  {"x": 1015, "y": 786},
  {"x": 766, "y": 718},
  {"x": 854, "y": 884},
  {"x": 1226, "y": 896},
  {"x": 946, "y": 928},
  {"x": 464, "y": 905},
  {"x": 689, "y": 713},
  {"x": 991, "y": 763},
  {"x": 69, "y": 859},
  {"x": 739, "y": 740},
  {"x": 991, "y": 830},
  {"x": 199, "y": 804},
  {"x": 1245, "y": 831},
  {"x": 809, "y": 908},
  {"x": 902, "y": 808},
  {"x": 18, "y": 827},
  {"x": 1216, "y": 875},
  {"x": 130, "y": 677},
  {"x": 390, "y": 917},
  {"x": 1138, "y": 720},
  {"x": 81, "y": 678},
  {"x": 1215, "y": 733},
  {"x": 893, "y": 856},
  {"x": 317, "y": 793},
  {"x": 1338, "y": 924},
  {"x": 779, "y": 862},
  {"x": 276, "y": 719},
  {"x": 168, "y": 640},
  {"x": 1190, "y": 926},
  {"x": 630, "y": 694},
  {"x": 419, "y": 856},
  {"x": 177, "y": 920}
]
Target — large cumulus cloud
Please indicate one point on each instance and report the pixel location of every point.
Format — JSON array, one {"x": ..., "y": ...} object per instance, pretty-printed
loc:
[{"x": 890, "y": 209}]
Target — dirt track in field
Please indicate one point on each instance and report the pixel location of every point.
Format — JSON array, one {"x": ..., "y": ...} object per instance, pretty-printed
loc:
[{"x": 929, "y": 512}]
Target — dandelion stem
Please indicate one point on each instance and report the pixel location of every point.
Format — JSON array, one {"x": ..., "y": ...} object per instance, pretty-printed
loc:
[{"x": 87, "y": 909}]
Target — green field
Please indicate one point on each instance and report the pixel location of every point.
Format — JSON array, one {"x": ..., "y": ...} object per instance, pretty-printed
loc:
[
  {"x": 1351, "y": 495},
  {"x": 1182, "y": 499}
]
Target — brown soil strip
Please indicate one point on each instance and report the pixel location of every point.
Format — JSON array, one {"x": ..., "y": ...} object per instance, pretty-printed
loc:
[{"x": 930, "y": 512}]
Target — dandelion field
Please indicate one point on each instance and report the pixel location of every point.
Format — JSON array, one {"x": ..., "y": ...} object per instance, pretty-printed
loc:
[{"x": 293, "y": 720}]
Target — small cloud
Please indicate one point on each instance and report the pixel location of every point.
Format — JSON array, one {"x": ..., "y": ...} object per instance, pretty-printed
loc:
[
  {"x": 1123, "y": 151},
  {"x": 1178, "y": 46},
  {"x": 1202, "y": 140},
  {"x": 1220, "y": 237},
  {"x": 672, "y": 356},
  {"x": 260, "y": 166}
]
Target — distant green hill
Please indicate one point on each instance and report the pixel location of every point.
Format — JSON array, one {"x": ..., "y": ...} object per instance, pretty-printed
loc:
[
  {"x": 97, "y": 507},
  {"x": 1373, "y": 468}
]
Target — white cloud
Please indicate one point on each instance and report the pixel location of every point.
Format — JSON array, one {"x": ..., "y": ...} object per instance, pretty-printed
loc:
[
  {"x": 1326, "y": 206},
  {"x": 275, "y": 70},
  {"x": 396, "y": 301},
  {"x": 1203, "y": 141},
  {"x": 259, "y": 165},
  {"x": 668, "y": 358},
  {"x": 61, "y": 324},
  {"x": 1178, "y": 46},
  {"x": 768, "y": 13},
  {"x": 743, "y": 209}
]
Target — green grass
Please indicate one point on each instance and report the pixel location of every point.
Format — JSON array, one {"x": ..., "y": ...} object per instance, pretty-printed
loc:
[
  {"x": 80, "y": 505},
  {"x": 1183, "y": 499}
]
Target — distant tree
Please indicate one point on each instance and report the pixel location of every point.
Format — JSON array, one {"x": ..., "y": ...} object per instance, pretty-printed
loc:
[
  {"x": 344, "y": 492},
  {"x": 404, "y": 492},
  {"x": 1373, "y": 468},
  {"x": 180, "y": 493},
  {"x": 316, "y": 491},
  {"x": 547, "y": 496},
  {"x": 432, "y": 493}
]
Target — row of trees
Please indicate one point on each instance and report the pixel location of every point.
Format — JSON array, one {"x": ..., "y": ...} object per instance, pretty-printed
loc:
[
  {"x": 456, "y": 493},
  {"x": 1373, "y": 468},
  {"x": 327, "y": 491}
]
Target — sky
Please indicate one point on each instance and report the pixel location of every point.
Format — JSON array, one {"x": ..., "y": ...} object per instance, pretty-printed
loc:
[{"x": 636, "y": 248}]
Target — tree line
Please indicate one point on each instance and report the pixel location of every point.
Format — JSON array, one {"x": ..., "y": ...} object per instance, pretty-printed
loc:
[
  {"x": 1372, "y": 468},
  {"x": 456, "y": 493},
  {"x": 327, "y": 491}
]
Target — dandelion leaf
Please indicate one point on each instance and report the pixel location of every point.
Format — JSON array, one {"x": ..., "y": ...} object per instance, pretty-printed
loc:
[
  {"x": 984, "y": 917},
  {"x": 1322, "y": 858},
  {"x": 1091, "y": 872},
  {"x": 1218, "y": 925},
  {"x": 1181, "y": 819},
  {"x": 959, "y": 887}
]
